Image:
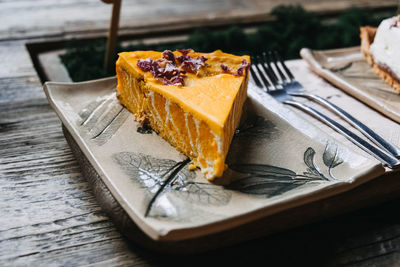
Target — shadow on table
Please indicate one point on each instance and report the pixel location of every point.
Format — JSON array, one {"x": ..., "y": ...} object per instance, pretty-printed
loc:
[{"x": 367, "y": 237}]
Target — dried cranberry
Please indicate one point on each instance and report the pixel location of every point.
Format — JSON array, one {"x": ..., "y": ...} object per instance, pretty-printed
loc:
[
  {"x": 155, "y": 70},
  {"x": 185, "y": 51},
  {"x": 177, "y": 80},
  {"x": 224, "y": 67},
  {"x": 168, "y": 55},
  {"x": 166, "y": 81},
  {"x": 145, "y": 64},
  {"x": 243, "y": 68},
  {"x": 182, "y": 58},
  {"x": 170, "y": 70},
  {"x": 188, "y": 66}
]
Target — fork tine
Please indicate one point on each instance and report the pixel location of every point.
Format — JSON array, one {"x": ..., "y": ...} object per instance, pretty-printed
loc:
[
  {"x": 268, "y": 71},
  {"x": 273, "y": 58},
  {"x": 257, "y": 69},
  {"x": 288, "y": 72},
  {"x": 254, "y": 73},
  {"x": 274, "y": 78}
]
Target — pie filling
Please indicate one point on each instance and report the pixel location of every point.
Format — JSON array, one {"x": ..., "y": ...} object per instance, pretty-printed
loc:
[{"x": 389, "y": 71}]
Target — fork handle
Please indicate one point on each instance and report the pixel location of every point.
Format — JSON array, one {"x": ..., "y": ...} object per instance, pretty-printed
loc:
[
  {"x": 387, "y": 159},
  {"x": 373, "y": 136}
]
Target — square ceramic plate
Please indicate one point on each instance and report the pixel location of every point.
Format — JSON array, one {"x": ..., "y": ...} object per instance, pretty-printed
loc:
[
  {"x": 277, "y": 161},
  {"x": 347, "y": 69}
]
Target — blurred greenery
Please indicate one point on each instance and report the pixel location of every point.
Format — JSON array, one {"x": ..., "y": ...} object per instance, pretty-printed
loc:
[{"x": 292, "y": 29}]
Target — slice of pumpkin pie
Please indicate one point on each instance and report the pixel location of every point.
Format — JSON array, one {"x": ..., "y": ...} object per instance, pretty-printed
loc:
[{"x": 192, "y": 100}]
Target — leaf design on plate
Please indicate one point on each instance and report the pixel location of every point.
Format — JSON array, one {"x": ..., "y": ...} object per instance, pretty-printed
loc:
[
  {"x": 312, "y": 169},
  {"x": 102, "y": 118},
  {"x": 150, "y": 172},
  {"x": 265, "y": 179},
  {"x": 342, "y": 68},
  {"x": 309, "y": 158},
  {"x": 161, "y": 176},
  {"x": 331, "y": 158},
  {"x": 262, "y": 169},
  {"x": 256, "y": 127},
  {"x": 89, "y": 109},
  {"x": 203, "y": 193},
  {"x": 254, "y": 134}
]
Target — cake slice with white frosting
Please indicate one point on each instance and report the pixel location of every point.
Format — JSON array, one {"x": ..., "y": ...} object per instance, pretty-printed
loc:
[{"x": 381, "y": 48}]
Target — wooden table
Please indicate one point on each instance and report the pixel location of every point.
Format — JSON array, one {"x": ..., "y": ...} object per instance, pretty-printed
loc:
[{"x": 48, "y": 213}]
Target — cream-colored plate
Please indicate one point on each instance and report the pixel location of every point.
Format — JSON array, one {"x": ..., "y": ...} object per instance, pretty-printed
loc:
[
  {"x": 347, "y": 69},
  {"x": 277, "y": 161}
]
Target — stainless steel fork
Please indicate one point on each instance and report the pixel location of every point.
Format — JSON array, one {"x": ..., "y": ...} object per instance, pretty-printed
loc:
[{"x": 270, "y": 73}]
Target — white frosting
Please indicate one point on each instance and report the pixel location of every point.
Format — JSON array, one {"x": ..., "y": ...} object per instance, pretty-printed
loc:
[{"x": 386, "y": 45}]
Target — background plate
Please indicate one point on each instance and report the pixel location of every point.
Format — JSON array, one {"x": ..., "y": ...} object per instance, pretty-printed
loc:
[{"x": 347, "y": 69}]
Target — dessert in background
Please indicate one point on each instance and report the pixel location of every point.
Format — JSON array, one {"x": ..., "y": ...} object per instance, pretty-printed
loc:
[
  {"x": 381, "y": 48},
  {"x": 192, "y": 100}
]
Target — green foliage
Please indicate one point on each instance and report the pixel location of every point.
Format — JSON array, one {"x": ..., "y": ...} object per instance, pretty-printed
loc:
[
  {"x": 84, "y": 59},
  {"x": 292, "y": 29},
  {"x": 349, "y": 24}
]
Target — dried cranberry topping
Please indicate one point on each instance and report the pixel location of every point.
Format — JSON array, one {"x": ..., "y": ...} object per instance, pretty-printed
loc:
[
  {"x": 145, "y": 64},
  {"x": 162, "y": 68},
  {"x": 185, "y": 51},
  {"x": 165, "y": 68},
  {"x": 202, "y": 59},
  {"x": 190, "y": 64},
  {"x": 168, "y": 55},
  {"x": 243, "y": 68},
  {"x": 182, "y": 58},
  {"x": 224, "y": 67},
  {"x": 176, "y": 80}
]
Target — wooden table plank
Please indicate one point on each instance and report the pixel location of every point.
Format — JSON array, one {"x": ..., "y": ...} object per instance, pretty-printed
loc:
[
  {"x": 15, "y": 61},
  {"x": 61, "y": 18},
  {"x": 49, "y": 213}
]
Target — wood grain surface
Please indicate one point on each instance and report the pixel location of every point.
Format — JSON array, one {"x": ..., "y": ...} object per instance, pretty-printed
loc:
[
  {"x": 49, "y": 215},
  {"x": 27, "y": 19}
]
